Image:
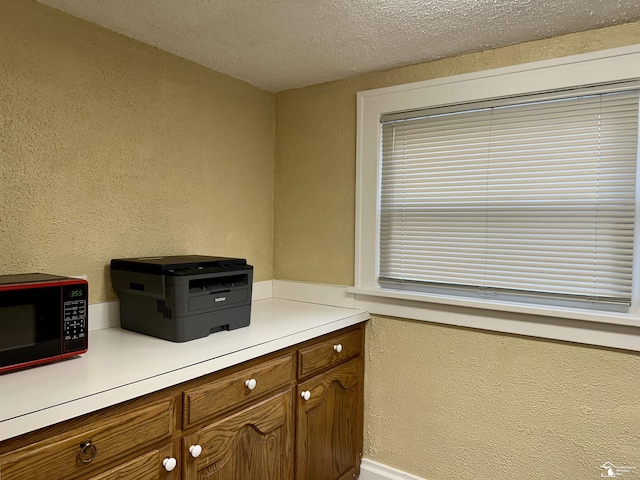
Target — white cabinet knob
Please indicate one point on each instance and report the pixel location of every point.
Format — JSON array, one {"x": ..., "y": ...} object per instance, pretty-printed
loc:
[
  {"x": 338, "y": 347},
  {"x": 169, "y": 463},
  {"x": 195, "y": 450},
  {"x": 251, "y": 384},
  {"x": 306, "y": 394}
]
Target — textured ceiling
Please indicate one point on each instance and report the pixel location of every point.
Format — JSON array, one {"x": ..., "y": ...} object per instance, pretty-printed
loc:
[{"x": 283, "y": 44}]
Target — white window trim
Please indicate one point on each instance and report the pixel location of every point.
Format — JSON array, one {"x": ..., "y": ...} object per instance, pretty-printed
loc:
[{"x": 575, "y": 325}]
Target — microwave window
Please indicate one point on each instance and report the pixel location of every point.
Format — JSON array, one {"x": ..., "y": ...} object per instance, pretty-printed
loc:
[{"x": 17, "y": 327}]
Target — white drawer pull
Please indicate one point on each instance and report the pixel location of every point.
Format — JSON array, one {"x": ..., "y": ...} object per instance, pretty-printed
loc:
[
  {"x": 338, "y": 347},
  {"x": 195, "y": 450},
  {"x": 169, "y": 463},
  {"x": 306, "y": 394},
  {"x": 251, "y": 384}
]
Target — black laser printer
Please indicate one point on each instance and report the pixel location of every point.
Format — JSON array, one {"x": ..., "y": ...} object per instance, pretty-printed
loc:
[{"x": 181, "y": 298}]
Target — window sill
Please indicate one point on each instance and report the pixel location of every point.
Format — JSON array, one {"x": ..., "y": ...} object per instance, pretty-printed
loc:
[{"x": 613, "y": 330}]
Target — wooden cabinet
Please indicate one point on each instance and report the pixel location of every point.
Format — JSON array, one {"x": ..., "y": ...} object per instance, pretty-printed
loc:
[
  {"x": 256, "y": 442},
  {"x": 329, "y": 411},
  {"x": 292, "y": 414}
]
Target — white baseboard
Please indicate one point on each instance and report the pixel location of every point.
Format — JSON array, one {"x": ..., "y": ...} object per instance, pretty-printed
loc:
[
  {"x": 104, "y": 315},
  {"x": 370, "y": 470},
  {"x": 333, "y": 295},
  {"x": 262, "y": 290}
]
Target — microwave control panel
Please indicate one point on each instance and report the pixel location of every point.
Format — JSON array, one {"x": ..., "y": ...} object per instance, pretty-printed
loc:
[{"x": 75, "y": 326}]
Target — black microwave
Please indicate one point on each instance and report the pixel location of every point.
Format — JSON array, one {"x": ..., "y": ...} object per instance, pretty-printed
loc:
[{"x": 43, "y": 318}]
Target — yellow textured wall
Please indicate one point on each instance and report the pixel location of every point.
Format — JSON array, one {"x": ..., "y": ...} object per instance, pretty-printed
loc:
[
  {"x": 110, "y": 148},
  {"x": 449, "y": 403},
  {"x": 444, "y": 402},
  {"x": 316, "y": 147}
]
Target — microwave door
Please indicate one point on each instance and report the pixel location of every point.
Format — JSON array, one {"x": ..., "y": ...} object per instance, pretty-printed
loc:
[
  {"x": 18, "y": 330},
  {"x": 29, "y": 325}
]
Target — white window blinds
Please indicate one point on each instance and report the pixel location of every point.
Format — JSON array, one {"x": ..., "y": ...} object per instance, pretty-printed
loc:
[{"x": 532, "y": 197}]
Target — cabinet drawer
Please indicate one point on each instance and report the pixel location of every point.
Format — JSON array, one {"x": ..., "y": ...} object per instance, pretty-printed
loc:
[
  {"x": 320, "y": 356},
  {"x": 145, "y": 467},
  {"x": 63, "y": 457},
  {"x": 218, "y": 397}
]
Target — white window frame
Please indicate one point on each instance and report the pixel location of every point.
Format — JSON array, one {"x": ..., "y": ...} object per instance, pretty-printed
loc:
[{"x": 619, "y": 330}]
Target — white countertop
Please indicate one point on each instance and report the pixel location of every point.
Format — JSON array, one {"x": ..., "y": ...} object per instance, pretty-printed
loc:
[{"x": 121, "y": 365}]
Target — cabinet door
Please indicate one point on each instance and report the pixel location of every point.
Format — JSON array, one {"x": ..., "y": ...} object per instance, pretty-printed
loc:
[
  {"x": 255, "y": 443},
  {"x": 150, "y": 466},
  {"x": 329, "y": 424}
]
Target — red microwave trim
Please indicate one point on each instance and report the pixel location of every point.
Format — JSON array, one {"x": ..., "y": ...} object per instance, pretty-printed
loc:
[
  {"x": 43, "y": 284},
  {"x": 41, "y": 361}
]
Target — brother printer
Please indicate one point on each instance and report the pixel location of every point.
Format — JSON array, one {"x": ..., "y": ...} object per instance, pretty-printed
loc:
[{"x": 182, "y": 298}]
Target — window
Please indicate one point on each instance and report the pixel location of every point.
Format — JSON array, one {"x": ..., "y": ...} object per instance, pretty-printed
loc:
[
  {"x": 507, "y": 190},
  {"x": 526, "y": 198}
]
